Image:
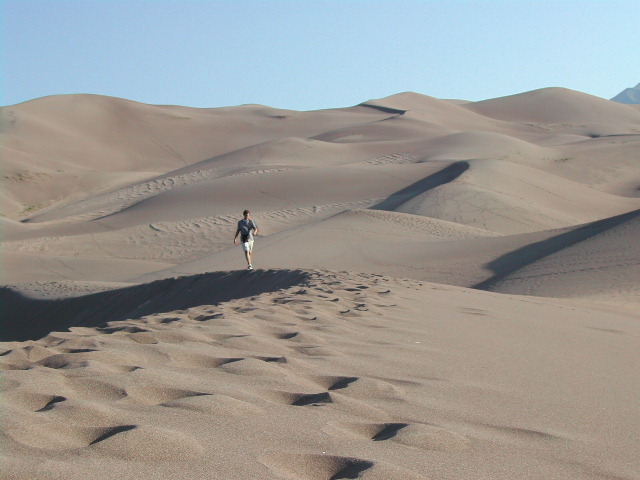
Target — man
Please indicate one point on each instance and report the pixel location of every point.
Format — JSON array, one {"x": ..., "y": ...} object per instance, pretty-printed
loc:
[{"x": 246, "y": 228}]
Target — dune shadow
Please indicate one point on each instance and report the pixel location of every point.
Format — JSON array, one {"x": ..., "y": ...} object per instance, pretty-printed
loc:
[
  {"x": 24, "y": 318},
  {"x": 509, "y": 263},
  {"x": 441, "y": 177},
  {"x": 393, "y": 111}
]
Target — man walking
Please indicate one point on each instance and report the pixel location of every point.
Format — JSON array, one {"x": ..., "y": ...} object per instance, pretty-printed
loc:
[{"x": 246, "y": 228}]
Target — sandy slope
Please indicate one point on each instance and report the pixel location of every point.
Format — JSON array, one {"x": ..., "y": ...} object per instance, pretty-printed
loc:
[
  {"x": 135, "y": 342},
  {"x": 604, "y": 250},
  {"x": 76, "y": 144},
  {"x": 563, "y": 109},
  {"x": 507, "y": 198},
  {"x": 335, "y": 376}
]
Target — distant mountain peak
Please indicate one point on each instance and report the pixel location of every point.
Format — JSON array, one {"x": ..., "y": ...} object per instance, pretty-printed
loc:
[{"x": 628, "y": 95}]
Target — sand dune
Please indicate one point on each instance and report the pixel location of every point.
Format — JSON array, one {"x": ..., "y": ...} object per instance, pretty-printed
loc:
[
  {"x": 38, "y": 317},
  {"x": 342, "y": 374},
  {"x": 507, "y": 198},
  {"x": 562, "y": 110},
  {"x": 440, "y": 112},
  {"x": 434, "y": 250},
  {"x": 471, "y": 145},
  {"x": 77, "y": 135},
  {"x": 363, "y": 240},
  {"x": 605, "y": 163},
  {"x": 605, "y": 250},
  {"x": 443, "y": 289}
]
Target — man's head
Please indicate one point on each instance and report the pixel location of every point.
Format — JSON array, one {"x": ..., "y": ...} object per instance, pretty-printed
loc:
[{"x": 246, "y": 214}]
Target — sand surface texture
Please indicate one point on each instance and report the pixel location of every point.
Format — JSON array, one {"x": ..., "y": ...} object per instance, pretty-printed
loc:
[{"x": 442, "y": 290}]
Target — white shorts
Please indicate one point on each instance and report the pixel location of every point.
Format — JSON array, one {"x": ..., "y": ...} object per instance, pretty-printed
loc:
[{"x": 247, "y": 246}]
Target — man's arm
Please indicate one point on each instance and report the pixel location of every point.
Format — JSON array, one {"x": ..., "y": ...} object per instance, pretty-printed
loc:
[{"x": 235, "y": 237}]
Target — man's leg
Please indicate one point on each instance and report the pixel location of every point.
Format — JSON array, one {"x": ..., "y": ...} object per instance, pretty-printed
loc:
[{"x": 248, "y": 247}]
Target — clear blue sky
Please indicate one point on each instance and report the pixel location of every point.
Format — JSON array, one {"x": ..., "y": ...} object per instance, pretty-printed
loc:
[{"x": 314, "y": 54}]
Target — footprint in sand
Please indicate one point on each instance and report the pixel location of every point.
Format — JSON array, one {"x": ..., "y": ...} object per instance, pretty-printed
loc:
[
  {"x": 317, "y": 351},
  {"x": 249, "y": 342},
  {"x": 99, "y": 360},
  {"x": 79, "y": 412},
  {"x": 24, "y": 358},
  {"x": 32, "y": 401},
  {"x": 109, "y": 330},
  {"x": 16, "y": 365},
  {"x": 207, "y": 316},
  {"x": 180, "y": 335},
  {"x": 63, "y": 436},
  {"x": 300, "y": 337},
  {"x": 327, "y": 399},
  {"x": 314, "y": 466},
  {"x": 150, "y": 444},
  {"x": 359, "y": 387},
  {"x": 334, "y": 382},
  {"x": 95, "y": 390},
  {"x": 265, "y": 366},
  {"x": 418, "y": 435},
  {"x": 215, "y": 404},
  {"x": 185, "y": 358},
  {"x": 313, "y": 399},
  {"x": 144, "y": 338},
  {"x": 153, "y": 395}
]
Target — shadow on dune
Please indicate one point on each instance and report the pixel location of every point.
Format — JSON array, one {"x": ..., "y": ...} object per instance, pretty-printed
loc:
[
  {"x": 394, "y": 111},
  {"x": 446, "y": 175},
  {"x": 520, "y": 258},
  {"x": 23, "y": 318}
]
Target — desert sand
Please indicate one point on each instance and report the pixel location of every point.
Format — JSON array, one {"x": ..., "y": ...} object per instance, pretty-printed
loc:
[{"x": 442, "y": 290}]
